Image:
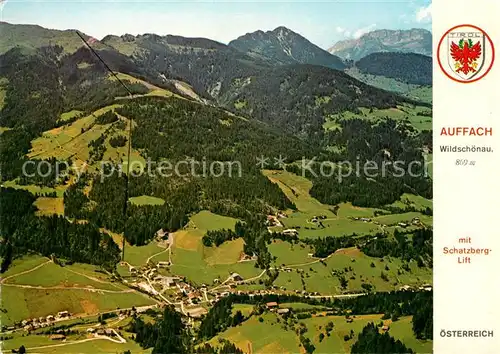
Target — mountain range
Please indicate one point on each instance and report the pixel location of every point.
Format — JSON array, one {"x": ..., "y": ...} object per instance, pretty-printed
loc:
[
  {"x": 215, "y": 139},
  {"x": 416, "y": 40},
  {"x": 285, "y": 46},
  {"x": 275, "y": 76}
]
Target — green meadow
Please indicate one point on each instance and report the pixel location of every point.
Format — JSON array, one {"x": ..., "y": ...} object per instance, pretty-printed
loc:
[
  {"x": 297, "y": 188},
  {"x": 273, "y": 334},
  {"x": 419, "y": 117}
]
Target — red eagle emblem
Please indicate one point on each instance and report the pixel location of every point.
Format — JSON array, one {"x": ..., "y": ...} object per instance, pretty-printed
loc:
[{"x": 465, "y": 55}]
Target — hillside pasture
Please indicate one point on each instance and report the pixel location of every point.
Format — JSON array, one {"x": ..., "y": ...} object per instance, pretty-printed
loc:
[
  {"x": 267, "y": 336},
  {"x": 297, "y": 188},
  {"x": 418, "y": 116},
  {"x": 49, "y": 206},
  {"x": 146, "y": 200},
  {"x": 357, "y": 268}
]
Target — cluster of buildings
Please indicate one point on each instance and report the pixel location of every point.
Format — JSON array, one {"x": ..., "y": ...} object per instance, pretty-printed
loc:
[
  {"x": 101, "y": 331},
  {"x": 40, "y": 322},
  {"x": 426, "y": 287},
  {"x": 361, "y": 219},
  {"x": 273, "y": 220},
  {"x": 317, "y": 218},
  {"x": 290, "y": 232},
  {"x": 274, "y": 307}
]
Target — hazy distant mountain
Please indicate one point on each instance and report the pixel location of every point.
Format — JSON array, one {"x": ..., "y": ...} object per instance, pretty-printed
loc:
[
  {"x": 285, "y": 47},
  {"x": 415, "y": 40}
]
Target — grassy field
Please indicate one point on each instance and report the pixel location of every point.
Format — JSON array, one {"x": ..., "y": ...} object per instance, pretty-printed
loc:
[
  {"x": 146, "y": 200},
  {"x": 53, "y": 275},
  {"x": 287, "y": 253},
  {"x": 34, "y": 286},
  {"x": 394, "y": 219},
  {"x": 75, "y": 343},
  {"x": 402, "y": 330},
  {"x": 50, "y": 206},
  {"x": 138, "y": 255},
  {"x": 245, "y": 309},
  {"x": 227, "y": 253},
  {"x": 153, "y": 90},
  {"x": 195, "y": 267},
  {"x": 261, "y": 337},
  {"x": 335, "y": 343},
  {"x": 421, "y": 93},
  {"x": 411, "y": 200},
  {"x": 203, "y": 264},
  {"x": 357, "y": 268},
  {"x": 69, "y": 115},
  {"x": 297, "y": 188},
  {"x": 23, "y": 264},
  {"x": 207, "y": 221},
  {"x": 272, "y": 335},
  {"x": 59, "y": 190},
  {"x": 415, "y": 92},
  {"x": 21, "y": 303},
  {"x": 74, "y": 346},
  {"x": 418, "y": 116},
  {"x": 72, "y": 140}
]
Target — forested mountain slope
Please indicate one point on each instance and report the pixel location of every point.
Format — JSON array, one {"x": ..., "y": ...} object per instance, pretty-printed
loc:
[
  {"x": 283, "y": 46},
  {"x": 408, "y": 67}
]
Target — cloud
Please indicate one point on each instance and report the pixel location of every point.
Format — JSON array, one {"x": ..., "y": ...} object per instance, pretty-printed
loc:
[
  {"x": 361, "y": 31},
  {"x": 343, "y": 31},
  {"x": 424, "y": 14}
]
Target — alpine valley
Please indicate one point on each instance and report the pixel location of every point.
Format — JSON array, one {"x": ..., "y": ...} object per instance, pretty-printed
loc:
[{"x": 262, "y": 238}]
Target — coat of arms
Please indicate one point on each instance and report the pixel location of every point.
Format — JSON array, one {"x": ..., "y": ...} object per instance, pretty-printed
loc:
[
  {"x": 466, "y": 55},
  {"x": 468, "y": 51}
]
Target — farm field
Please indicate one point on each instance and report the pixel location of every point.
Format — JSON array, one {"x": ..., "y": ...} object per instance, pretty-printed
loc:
[
  {"x": 261, "y": 337},
  {"x": 203, "y": 264},
  {"x": 401, "y": 329},
  {"x": 76, "y": 343},
  {"x": 50, "y": 206},
  {"x": 138, "y": 255},
  {"x": 22, "y": 303},
  {"x": 35, "y": 286},
  {"x": 357, "y": 268},
  {"x": 418, "y": 116},
  {"x": 190, "y": 258},
  {"x": 287, "y": 253},
  {"x": 207, "y": 221},
  {"x": 297, "y": 190},
  {"x": 53, "y": 275},
  {"x": 272, "y": 335},
  {"x": 72, "y": 141}
]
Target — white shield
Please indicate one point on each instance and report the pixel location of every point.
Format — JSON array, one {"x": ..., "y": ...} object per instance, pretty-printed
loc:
[{"x": 468, "y": 68}]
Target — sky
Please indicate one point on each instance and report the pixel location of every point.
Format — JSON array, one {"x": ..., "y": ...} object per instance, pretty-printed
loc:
[{"x": 322, "y": 22}]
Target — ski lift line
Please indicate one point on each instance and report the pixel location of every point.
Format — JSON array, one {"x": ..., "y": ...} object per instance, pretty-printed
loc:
[
  {"x": 102, "y": 61},
  {"x": 125, "y": 202}
]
